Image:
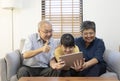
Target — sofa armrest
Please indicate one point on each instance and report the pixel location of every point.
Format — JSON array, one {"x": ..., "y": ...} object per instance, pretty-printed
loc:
[
  {"x": 112, "y": 58},
  {"x": 3, "y": 75},
  {"x": 13, "y": 63}
]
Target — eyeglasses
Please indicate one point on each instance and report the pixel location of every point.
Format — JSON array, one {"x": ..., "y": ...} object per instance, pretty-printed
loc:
[{"x": 46, "y": 32}]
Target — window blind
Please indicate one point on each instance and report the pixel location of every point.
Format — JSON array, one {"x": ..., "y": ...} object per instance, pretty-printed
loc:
[{"x": 65, "y": 16}]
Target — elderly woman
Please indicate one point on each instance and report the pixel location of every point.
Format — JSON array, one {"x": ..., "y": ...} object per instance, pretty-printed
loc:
[{"x": 93, "y": 49}]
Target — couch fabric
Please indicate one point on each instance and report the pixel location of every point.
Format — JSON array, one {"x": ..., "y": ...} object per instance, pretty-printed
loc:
[
  {"x": 13, "y": 60},
  {"x": 112, "y": 58},
  {"x": 9, "y": 65}
]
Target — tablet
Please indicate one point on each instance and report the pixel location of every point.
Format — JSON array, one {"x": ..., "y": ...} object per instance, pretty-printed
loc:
[{"x": 71, "y": 58}]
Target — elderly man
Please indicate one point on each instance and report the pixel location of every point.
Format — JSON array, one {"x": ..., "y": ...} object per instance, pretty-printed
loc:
[{"x": 37, "y": 53}]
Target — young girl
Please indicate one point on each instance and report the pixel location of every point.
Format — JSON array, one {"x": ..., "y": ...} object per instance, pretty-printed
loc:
[{"x": 67, "y": 46}]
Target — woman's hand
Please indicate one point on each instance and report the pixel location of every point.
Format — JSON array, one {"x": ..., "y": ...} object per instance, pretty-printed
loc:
[
  {"x": 84, "y": 66},
  {"x": 78, "y": 65},
  {"x": 89, "y": 63}
]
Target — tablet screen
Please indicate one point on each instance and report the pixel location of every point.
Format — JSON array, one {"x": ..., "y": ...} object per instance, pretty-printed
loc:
[{"x": 71, "y": 58}]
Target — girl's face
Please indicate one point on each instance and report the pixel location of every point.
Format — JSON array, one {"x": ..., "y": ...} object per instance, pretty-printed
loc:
[{"x": 67, "y": 50}]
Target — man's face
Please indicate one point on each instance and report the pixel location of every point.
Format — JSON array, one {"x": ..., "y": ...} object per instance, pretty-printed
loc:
[
  {"x": 45, "y": 32},
  {"x": 67, "y": 50},
  {"x": 88, "y": 35}
]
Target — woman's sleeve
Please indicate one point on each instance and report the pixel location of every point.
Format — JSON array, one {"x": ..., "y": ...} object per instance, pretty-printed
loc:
[{"x": 100, "y": 51}]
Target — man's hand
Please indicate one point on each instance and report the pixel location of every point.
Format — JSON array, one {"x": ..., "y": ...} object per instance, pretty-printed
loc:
[{"x": 46, "y": 47}]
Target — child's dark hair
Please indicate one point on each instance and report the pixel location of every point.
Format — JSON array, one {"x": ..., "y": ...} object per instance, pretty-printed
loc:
[{"x": 67, "y": 40}]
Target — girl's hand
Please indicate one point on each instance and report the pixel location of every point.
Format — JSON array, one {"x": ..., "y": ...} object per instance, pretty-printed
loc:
[{"x": 59, "y": 65}]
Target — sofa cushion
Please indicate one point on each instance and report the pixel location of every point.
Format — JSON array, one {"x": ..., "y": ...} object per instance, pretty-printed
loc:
[
  {"x": 13, "y": 63},
  {"x": 14, "y": 78},
  {"x": 109, "y": 74},
  {"x": 112, "y": 58}
]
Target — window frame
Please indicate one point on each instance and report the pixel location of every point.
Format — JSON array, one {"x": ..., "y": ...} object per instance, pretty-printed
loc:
[{"x": 58, "y": 34}]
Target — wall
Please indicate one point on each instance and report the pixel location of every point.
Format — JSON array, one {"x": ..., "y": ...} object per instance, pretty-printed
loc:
[
  {"x": 104, "y": 12},
  {"x": 25, "y": 21},
  {"x": 5, "y": 31}
]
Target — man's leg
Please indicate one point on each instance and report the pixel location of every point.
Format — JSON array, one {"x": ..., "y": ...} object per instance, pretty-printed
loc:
[
  {"x": 26, "y": 71},
  {"x": 23, "y": 72},
  {"x": 65, "y": 73}
]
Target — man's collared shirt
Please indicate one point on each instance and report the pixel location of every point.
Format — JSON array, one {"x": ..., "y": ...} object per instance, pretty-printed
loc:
[{"x": 42, "y": 59}]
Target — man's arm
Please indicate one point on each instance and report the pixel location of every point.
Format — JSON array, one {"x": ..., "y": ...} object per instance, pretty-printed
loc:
[{"x": 31, "y": 53}]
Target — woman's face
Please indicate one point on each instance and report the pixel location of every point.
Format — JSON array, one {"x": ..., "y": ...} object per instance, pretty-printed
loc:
[
  {"x": 67, "y": 50},
  {"x": 88, "y": 35}
]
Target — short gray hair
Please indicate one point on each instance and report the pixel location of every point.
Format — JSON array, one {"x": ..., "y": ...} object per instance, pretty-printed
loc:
[
  {"x": 88, "y": 25},
  {"x": 41, "y": 23}
]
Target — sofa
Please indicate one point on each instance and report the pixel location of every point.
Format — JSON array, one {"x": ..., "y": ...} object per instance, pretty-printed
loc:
[{"x": 13, "y": 60}]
